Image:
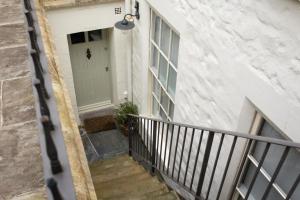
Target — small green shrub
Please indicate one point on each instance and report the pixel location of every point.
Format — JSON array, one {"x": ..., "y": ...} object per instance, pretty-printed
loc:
[{"x": 122, "y": 112}]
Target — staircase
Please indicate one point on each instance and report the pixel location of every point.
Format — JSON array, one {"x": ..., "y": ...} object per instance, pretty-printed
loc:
[{"x": 122, "y": 178}]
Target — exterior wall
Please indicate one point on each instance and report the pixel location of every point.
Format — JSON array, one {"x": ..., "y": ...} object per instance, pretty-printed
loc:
[
  {"x": 88, "y": 18},
  {"x": 234, "y": 58}
]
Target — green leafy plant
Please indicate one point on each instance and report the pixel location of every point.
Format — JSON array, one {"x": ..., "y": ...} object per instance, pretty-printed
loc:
[{"x": 122, "y": 112}]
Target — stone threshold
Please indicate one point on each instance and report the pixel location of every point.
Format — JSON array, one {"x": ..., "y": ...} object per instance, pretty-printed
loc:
[{"x": 53, "y": 4}]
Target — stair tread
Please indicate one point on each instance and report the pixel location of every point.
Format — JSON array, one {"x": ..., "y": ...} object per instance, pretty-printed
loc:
[{"x": 122, "y": 178}]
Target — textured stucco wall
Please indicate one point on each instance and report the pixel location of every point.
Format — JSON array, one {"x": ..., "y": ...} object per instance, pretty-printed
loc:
[{"x": 234, "y": 56}]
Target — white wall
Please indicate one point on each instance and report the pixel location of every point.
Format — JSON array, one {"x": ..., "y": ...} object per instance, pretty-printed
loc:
[
  {"x": 77, "y": 19},
  {"x": 234, "y": 57}
]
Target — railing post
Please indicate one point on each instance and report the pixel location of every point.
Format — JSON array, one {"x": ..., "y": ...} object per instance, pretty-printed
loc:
[
  {"x": 130, "y": 133},
  {"x": 154, "y": 131},
  {"x": 209, "y": 142},
  {"x": 52, "y": 185}
]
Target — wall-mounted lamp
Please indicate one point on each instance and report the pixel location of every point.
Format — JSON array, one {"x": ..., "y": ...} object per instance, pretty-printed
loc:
[{"x": 125, "y": 24}]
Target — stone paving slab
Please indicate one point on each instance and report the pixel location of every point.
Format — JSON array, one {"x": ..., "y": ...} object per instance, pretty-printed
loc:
[
  {"x": 20, "y": 160},
  {"x": 13, "y": 34},
  {"x": 18, "y": 101},
  {"x": 14, "y": 62},
  {"x": 10, "y": 13}
]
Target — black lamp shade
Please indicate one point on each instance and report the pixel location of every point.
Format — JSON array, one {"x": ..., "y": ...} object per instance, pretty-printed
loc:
[{"x": 124, "y": 25}]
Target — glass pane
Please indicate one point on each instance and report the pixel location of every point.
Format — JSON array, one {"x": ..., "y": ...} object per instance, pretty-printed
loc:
[
  {"x": 155, "y": 107},
  {"x": 274, "y": 195},
  {"x": 171, "y": 110},
  {"x": 259, "y": 186},
  {"x": 172, "y": 81},
  {"x": 156, "y": 88},
  {"x": 155, "y": 28},
  {"x": 165, "y": 38},
  {"x": 174, "y": 49},
  {"x": 163, "y": 68},
  {"x": 164, "y": 100},
  {"x": 95, "y": 35},
  {"x": 154, "y": 62},
  {"x": 291, "y": 166},
  {"x": 77, "y": 38},
  {"x": 162, "y": 114}
]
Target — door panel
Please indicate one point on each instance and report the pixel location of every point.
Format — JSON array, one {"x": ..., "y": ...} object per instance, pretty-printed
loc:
[{"x": 91, "y": 77}]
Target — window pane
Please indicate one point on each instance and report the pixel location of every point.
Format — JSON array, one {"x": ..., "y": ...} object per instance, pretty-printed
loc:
[
  {"x": 156, "y": 88},
  {"x": 155, "y": 27},
  {"x": 154, "y": 61},
  {"x": 95, "y": 35},
  {"x": 174, "y": 49},
  {"x": 172, "y": 81},
  {"x": 77, "y": 38},
  {"x": 171, "y": 110},
  {"x": 259, "y": 186},
  {"x": 163, "y": 67},
  {"x": 291, "y": 166},
  {"x": 164, "y": 100},
  {"x": 165, "y": 38},
  {"x": 155, "y": 107},
  {"x": 163, "y": 115}
]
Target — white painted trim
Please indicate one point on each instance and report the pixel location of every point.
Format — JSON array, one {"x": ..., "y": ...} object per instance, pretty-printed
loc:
[{"x": 93, "y": 107}]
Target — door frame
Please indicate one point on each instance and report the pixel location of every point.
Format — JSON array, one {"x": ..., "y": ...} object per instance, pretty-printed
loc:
[{"x": 100, "y": 105}]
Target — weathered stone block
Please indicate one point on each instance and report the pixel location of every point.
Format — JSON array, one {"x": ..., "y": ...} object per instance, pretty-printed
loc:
[
  {"x": 14, "y": 62},
  {"x": 10, "y": 13},
  {"x": 13, "y": 34},
  {"x": 20, "y": 160},
  {"x": 18, "y": 101}
]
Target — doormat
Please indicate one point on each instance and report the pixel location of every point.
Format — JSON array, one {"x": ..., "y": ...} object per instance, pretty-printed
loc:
[{"x": 98, "y": 124}]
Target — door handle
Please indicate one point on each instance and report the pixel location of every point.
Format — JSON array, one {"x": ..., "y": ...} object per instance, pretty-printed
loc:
[
  {"x": 88, "y": 53},
  {"x": 106, "y": 69}
]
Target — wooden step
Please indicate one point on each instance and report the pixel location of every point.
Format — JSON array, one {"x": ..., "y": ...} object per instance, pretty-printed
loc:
[{"x": 121, "y": 178}]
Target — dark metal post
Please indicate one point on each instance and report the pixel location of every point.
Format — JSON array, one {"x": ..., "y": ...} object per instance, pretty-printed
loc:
[
  {"x": 52, "y": 185},
  {"x": 154, "y": 130},
  {"x": 205, "y": 162},
  {"x": 130, "y": 134}
]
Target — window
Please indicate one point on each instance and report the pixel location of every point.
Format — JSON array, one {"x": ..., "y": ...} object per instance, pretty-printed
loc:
[
  {"x": 164, "y": 60},
  {"x": 286, "y": 177},
  {"x": 77, "y": 38}
]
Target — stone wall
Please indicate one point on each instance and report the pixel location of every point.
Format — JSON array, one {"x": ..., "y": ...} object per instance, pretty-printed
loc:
[{"x": 21, "y": 168}]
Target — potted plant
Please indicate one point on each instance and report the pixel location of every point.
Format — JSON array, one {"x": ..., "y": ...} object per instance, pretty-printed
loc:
[{"x": 122, "y": 117}]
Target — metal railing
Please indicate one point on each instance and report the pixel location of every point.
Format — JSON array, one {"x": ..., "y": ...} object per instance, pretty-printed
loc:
[
  {"x": 43, "y": 97},
  {"x": 206, "y": 163}
]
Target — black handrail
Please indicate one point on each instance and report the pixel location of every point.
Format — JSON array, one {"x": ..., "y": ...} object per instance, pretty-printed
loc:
[{"x": 202, "y": 166}]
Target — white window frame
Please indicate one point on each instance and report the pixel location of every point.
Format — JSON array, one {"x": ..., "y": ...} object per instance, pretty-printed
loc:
[
  {"x": 154, "y": 73},
  {"x": 255, "y": 129}
]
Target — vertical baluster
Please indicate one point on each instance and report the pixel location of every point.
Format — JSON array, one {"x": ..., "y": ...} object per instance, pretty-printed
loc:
[
  {"x": 182, "y": 150},
  {"x": 240, "y": 169},
  {"x": 196, "y": 159},
  {"x": 52, "y": 185},
  {"x": 189, "y": 156},
  {"x": 205, "y": 163},
  {"x": 227, "y": 166},
  {"x": 171, "y": 142},
  {"x": 144, "y": 139},
  {"x": 136, "y": 137},
  {"x": 258, "y": 169},
  {"x": 147, "y": 144},
  {"x": 275, "y": 174},
  {"x": 176, "y": 146},
  {"x": 157, "y": 144},
  {"x": 215, "y": 166},
  {"x": 166, "y": 144},
  {"x": 130, "y": 135},
  {"x": 293, "y": 188},
  {"x": 154, "y": 130},
  {"x": 161, "y": 140}
]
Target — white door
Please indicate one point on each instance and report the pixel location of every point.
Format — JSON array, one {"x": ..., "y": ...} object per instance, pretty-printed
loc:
[{"x": 91, "y": 71}]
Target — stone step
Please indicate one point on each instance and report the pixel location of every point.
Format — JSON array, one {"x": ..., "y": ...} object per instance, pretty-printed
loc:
[{"x": 121, "y": 178}]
